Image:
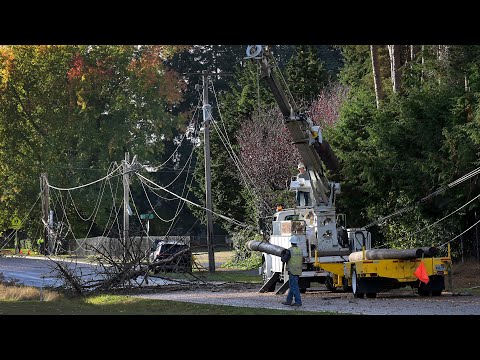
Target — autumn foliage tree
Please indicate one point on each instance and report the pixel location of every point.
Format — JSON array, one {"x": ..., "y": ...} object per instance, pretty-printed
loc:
[
  {"x": 71, "y": 111},
  {"x": 268, "y": 156},
  {"x": 325, "y": 108}
]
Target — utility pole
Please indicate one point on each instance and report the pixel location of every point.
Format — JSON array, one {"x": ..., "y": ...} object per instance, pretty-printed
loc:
[
  {"x": 126, "y": 223},
  {"x": 207, "y": 116},
  {"x": 45, "y": 212}
]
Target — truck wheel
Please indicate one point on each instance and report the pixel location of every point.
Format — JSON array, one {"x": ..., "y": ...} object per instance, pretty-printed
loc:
[
  {"x": 345, "y": 285},
  {"x": 303, "y": 290},
  {"x": 423, "y": 292},
  {"x": 329, "y": 283},
  {"x": 371, "y": 295},
  {"x": 355, "y": 288}
]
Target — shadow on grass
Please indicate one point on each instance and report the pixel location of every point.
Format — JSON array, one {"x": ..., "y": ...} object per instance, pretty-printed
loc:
[{"x": 123, "y": 305}]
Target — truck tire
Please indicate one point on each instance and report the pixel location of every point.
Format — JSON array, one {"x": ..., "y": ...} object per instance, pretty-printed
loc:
[
  {"x": 345, "y": 286},
  {"x": 329, "y": 283},
  {"x": 355, "y": 285}
]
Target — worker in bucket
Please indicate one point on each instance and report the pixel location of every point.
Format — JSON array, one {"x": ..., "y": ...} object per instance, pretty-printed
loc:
[
  {"x": 301, "y": 177},
  {"x": 293, "y": 258}
]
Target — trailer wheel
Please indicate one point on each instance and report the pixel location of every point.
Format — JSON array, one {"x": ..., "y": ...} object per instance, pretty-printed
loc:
[
  {"x": 345, "y": 285},
  {"x": 371, "y": 295},
  {"x": 355, "y": 288},
  {"x": 423, "y": 292},
  {"x": 329, "y": 283}
]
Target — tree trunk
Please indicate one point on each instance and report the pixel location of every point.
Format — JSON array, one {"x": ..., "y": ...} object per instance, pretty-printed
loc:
[
  {"x": 377, "y": 78},
  {"x": 468, "y": 101},
  {"x": 394, "y": 51},
  {"x": 423, "y": 63},
  {"x": 442, "y": 57},
  {"x": 414, "y": 49}
]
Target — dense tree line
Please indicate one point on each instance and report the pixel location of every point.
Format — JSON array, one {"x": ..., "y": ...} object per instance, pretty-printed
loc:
[
  {"x": 70, "y": 112},
  {"x": 403, "y": 120}
]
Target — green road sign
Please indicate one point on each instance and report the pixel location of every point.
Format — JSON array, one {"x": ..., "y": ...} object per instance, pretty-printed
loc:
[
  {"x": 146, "y": 216},
  {"x": 16, "y": 223}
]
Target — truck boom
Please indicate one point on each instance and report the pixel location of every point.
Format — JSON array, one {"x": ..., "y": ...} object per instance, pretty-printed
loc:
[{"x": 332, "y": 254}]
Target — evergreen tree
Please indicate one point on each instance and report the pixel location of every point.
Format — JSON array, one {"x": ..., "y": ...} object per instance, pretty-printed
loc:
[{"x": 306, "y": 74}]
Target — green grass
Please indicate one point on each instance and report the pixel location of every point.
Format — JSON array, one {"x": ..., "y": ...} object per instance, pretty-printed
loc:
[
  {"x": 124, "y": 305},
  {"x": 220, "y": 255}
]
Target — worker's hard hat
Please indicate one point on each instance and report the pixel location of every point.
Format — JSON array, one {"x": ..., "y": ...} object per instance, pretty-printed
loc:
[
  {"x": 294, "y": 239},
  {"x": 300, "y": 165}
]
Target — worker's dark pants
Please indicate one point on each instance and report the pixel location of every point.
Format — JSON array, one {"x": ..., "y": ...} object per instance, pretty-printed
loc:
[
  {"x": 306, "y": 196},
  {"x": 294, "y": 289}
]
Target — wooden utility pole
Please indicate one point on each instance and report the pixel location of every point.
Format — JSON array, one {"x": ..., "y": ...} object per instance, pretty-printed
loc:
[
  {"x": 207, "y": 116},
  {"x": 45, "y": 212},
  {"x": 126, "y": 193}
]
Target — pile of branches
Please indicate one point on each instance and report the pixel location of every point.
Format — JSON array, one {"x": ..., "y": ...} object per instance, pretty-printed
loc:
[{"x": 107, "y": 271}]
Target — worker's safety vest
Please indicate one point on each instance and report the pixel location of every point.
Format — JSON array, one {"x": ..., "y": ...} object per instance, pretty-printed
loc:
[{"x": 294, "y": 265}]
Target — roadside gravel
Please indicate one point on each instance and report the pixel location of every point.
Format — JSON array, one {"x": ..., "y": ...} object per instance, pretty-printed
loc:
[{"x": 394, "y": 302}]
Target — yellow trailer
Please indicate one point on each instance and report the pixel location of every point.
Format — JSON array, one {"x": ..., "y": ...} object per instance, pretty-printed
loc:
[{"x": 369, "y": 277}]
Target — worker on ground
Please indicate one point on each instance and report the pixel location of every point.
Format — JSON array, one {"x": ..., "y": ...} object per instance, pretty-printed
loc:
[
  {"x": 293, "y": 258},
  {"x": 301, "y": 177}
]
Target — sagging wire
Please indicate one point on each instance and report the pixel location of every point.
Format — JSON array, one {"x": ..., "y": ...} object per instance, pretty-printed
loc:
[
  {"x": 439, "y": 191},
  {"x": 180, "y": 205},
  {"x": 100, "y": 195},
  {"x": 236, "y": 222},
  {"x": 153, "y": 208},
  {"x": 438, "y": 221},
  {"x": 85, "y": 185},
  {"x": 243, "y": 173},
  {"x": 113, "y": 209},
  {"x": 188, "y": 161},
  {"x": 456, "y": 237}
]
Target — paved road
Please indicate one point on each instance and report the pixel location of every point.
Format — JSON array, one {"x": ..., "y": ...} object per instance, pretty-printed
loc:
[
  {"x": 39, "y": 272},
  {"x": 35, "y": 271}
]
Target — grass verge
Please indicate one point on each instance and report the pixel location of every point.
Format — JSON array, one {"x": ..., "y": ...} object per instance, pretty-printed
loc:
[{"x": 125, "y": 305}]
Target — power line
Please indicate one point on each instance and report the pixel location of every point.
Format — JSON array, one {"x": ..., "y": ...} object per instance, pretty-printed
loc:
[
  {"x": 236, "y": 222},
  {"x": 463, "y": 232},
  {"x": 439, "y": 191},
  {"x": 436, "y": 222},
  {"x": 85, "y": 185},
  {"x": 192, "y": 121},
  {"x": 153, "y": 208},
  {"x": 228, "y": 146}
]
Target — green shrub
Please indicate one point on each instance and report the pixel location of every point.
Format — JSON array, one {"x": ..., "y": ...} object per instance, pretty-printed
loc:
[{"x": 243, "y": 258}]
